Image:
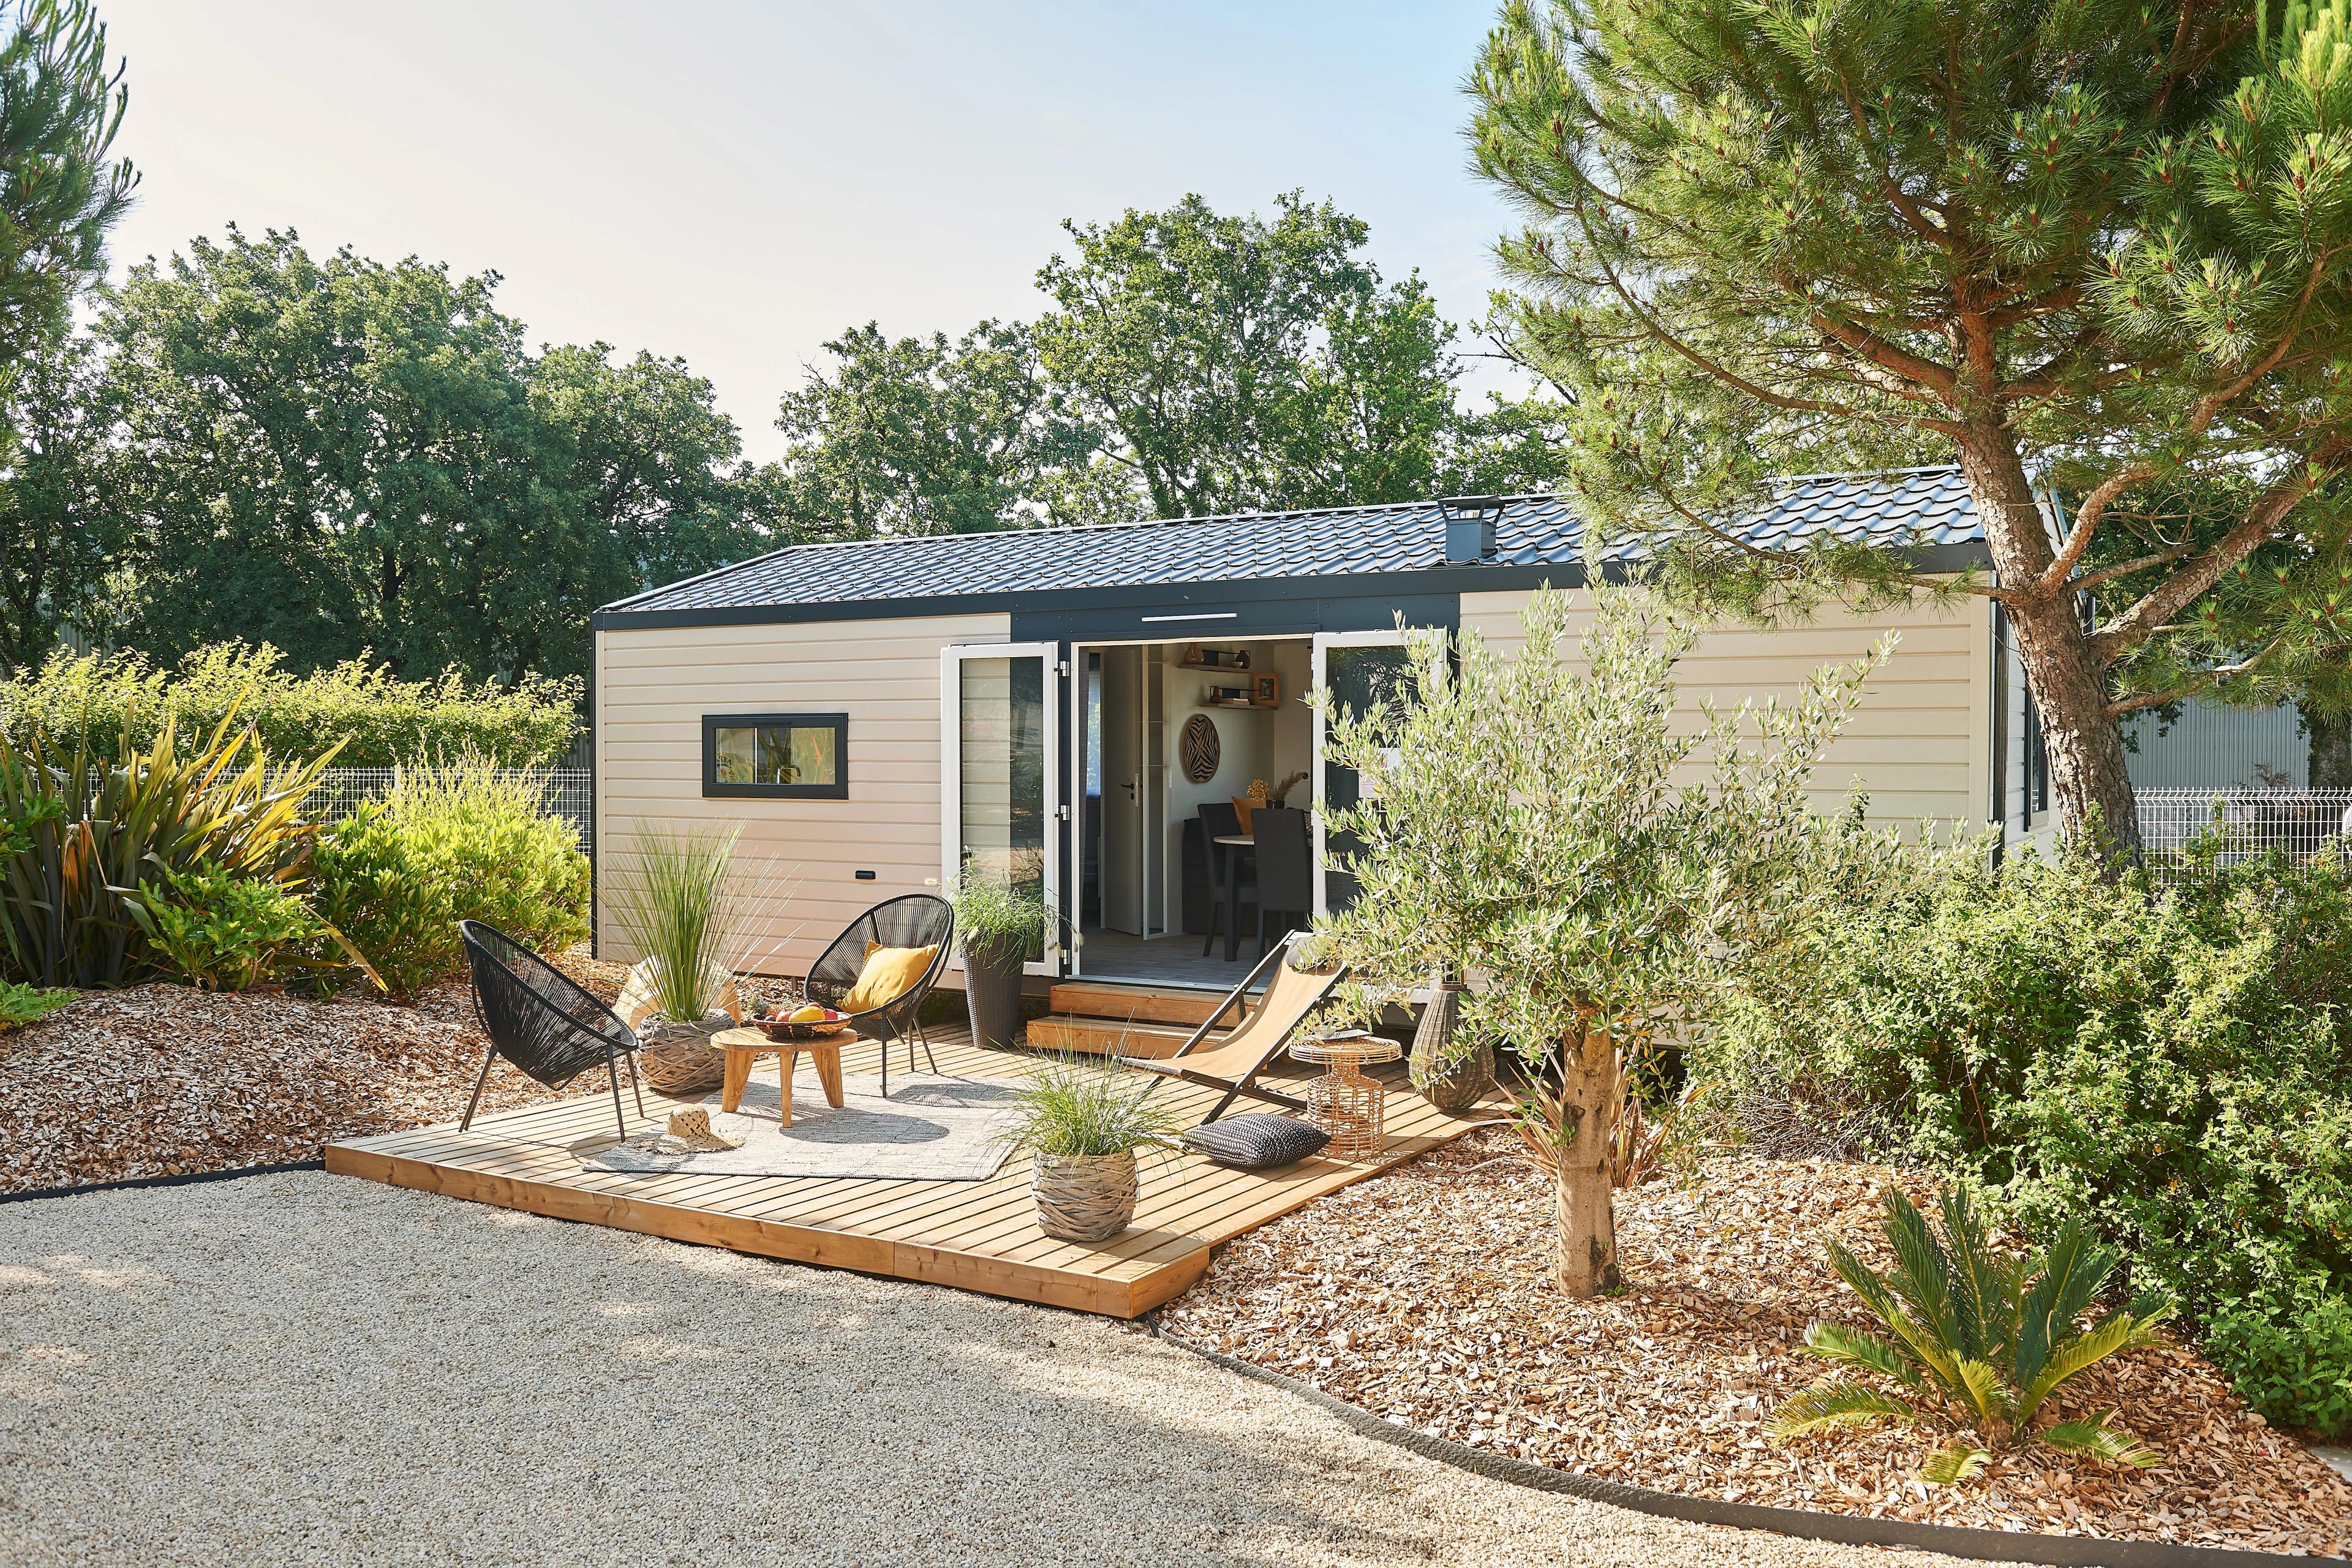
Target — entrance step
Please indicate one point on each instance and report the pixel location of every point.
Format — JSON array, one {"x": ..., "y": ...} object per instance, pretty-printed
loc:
[
  {"x": 1102, "y": 1037},
  {"x": 1141, "y": 1003}
]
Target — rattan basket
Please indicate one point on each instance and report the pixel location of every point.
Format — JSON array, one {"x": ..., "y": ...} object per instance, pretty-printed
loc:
[
  {"x": 1083, "y": 1197},
  {"x": 679, "y": 1058}
]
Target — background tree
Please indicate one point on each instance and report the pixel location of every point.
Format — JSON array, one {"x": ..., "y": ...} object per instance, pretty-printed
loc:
[
  {"x": 340, "y": 456},
  {"x": 59, "y": 193},
  {"x": 1520, "y": 819},
  {"x": 917, "y": 435},
  {"x": 1234, "y": 362},
  {"x": 2094, "y": 251},
  {"x": 60, "y": 532}
]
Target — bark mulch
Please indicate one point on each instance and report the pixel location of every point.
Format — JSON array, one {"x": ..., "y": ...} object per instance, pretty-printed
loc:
[
  {"x": 161, "y": 1080},
  {"x": 1424, "y": 1296}
]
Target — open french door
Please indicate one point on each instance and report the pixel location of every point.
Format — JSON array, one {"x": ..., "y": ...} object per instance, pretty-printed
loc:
[
  {"x": 999, "y": 772},
  {"x": 1357, "y": 669}
]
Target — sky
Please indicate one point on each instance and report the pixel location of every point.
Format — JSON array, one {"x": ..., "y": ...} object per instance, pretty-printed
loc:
[{"x": 737, "y": 182}]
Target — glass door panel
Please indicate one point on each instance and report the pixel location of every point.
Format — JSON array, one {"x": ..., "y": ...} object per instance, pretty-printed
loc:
[
  {"x": 999, "y": 748},
  {"x": 1360, "y": 669}
]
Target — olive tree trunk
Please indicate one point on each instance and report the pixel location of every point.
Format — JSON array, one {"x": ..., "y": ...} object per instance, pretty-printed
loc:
[{"x": 1586, "y": 1222}]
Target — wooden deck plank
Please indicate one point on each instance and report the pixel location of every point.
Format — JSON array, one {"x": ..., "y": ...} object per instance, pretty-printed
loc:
[{"x": 975, "y": 1235}]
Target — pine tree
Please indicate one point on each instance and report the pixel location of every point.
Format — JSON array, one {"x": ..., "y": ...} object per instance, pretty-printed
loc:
[{"x": 2094, "y": 250}]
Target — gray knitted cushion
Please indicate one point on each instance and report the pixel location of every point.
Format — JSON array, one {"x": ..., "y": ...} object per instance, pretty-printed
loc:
[{"x": 1255, "y": 1142}]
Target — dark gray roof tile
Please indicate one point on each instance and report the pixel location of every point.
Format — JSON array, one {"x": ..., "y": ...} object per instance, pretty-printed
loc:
[{"x": 1334, "y": 541}]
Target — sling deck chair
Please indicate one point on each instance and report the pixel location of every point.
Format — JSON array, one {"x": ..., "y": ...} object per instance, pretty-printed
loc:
[{"x": 1233, "y": 1063}]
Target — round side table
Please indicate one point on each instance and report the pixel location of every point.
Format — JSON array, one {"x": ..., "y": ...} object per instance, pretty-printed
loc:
[{"x": 1343, "y": 1102}]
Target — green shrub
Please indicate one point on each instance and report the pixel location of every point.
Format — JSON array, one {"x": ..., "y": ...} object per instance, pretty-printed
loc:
[
  {"x": 2176, "y": 1066},
  {"x": 1975, "y": 1338},
  {"x": 79, "y": 835},
  {"x": 451, "y": 842},
  {"x": 379, "y": 721},
  {"x": 376, "y": 882},
  {"x": 223, "y": 933},
  {"x": 21, "y": 1005}
]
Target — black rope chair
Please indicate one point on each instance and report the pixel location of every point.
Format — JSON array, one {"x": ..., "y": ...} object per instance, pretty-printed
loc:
[
  {"x": 542, "y": 1020},
  {"x": 915, "y": 919}
]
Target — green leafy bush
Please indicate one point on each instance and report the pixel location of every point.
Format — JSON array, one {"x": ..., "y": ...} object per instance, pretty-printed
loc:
[
  {"x": 80, "y": 834},
  {"x": 21, "y": 1005},
  {"x": 2176, "y": 1066},
  {"x": 379, "y": 721},
  {"x": 377, "y": 883},
  {"x": 1975, "y": 1336},
  {"x": 450, "y": 842},
  {"x": 219, "y": 932}
]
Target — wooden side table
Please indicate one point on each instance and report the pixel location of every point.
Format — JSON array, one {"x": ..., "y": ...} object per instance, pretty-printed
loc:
[
  {"x": 745, "y": 1046},
  {"x": 1343, "y": 1102}
]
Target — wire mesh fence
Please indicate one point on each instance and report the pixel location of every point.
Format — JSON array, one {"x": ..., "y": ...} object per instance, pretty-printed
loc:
[
  {"x": 563, "y": 791},
  {"x": 2243, "y": 821}
]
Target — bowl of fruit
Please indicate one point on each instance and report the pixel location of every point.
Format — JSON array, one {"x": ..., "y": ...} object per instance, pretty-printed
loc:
[{"x": 806, "y": 1022}]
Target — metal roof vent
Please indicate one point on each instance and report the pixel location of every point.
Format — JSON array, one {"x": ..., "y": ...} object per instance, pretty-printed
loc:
[{"x": 1470, "y": 526}]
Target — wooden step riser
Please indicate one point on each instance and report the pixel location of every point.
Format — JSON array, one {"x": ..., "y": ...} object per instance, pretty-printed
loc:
[
  {"x": 1077, "y": 998},
  {"x": 1104, "y": 1037}
]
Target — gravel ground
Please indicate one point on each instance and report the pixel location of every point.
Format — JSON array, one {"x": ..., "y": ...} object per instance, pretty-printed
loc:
[{"x": 305, "y": 1368}]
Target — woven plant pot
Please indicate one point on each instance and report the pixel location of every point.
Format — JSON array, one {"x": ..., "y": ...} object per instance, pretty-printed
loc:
[
  {"x": 1083, "y": 1197},
  {"x": 679, "y": 1058},
  {"x": 1451, "y": 1082}
]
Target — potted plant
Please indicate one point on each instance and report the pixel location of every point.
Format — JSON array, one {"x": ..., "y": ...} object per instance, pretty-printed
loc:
[
  {"x": 1081, "y": 1124},
  {"x": 1000, "y": 924},
  {"x": 681, "y": 909}
]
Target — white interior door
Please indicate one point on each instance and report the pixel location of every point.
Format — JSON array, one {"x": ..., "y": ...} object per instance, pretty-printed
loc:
[
  {"x": 1000, "y": 778},
  {"x": 1356, "y": 669}
]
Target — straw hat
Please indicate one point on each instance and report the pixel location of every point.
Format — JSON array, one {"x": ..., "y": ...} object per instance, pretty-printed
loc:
[{"x": 689, "y": 1134}]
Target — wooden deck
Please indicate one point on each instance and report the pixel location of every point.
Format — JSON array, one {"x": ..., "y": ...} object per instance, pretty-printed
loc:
[{"x": 976, "y": 1236}]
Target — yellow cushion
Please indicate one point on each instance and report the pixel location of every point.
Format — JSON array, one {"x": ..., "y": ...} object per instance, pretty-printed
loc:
[
  {"x": 1242, "y": 806},
  {"x": 890, "y": 973}
]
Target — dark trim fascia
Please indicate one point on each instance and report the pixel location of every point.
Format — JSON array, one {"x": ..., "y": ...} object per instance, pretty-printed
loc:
[{"x": 1207, "y": 594}]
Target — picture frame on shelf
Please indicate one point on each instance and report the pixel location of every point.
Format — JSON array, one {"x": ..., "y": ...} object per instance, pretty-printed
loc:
[{"x": 1266, "y": 689}]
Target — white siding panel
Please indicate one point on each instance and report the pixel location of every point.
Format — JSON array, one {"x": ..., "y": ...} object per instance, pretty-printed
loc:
[
  {"x": 1919, "y": 743},
  {"x": 654, "y": 687}
]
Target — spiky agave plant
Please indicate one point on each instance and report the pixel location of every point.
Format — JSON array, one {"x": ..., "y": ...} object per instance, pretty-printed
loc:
[{"x": 1974, "y": 1337}]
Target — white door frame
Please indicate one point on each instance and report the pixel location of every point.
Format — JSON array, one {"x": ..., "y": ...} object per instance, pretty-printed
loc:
[
  {"x": 951, "y": 658},
  {"x": 1386, "y": 636}
]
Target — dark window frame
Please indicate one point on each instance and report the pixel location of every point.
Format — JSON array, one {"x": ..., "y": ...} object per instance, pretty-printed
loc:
[{"x": 714, "y": 790}]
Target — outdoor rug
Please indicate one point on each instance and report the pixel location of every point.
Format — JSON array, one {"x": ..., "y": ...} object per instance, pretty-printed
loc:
[{"x": 931, "y": 1129}]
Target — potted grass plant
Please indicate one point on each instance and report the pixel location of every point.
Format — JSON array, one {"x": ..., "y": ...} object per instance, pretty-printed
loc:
[
  {"x": 681, "y": 908},
  {"x": 1001, "y": 925},
  {"x": 1081, "y": 1124}
]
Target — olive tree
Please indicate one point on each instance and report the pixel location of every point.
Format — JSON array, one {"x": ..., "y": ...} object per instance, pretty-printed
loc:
[{"x": 1550, "y": 824}]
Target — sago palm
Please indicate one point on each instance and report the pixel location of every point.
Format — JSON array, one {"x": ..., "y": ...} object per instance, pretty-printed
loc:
[{"x": 1975, "y": 1337}]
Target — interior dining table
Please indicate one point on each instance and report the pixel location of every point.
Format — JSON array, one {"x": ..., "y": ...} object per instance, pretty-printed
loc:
[{"x": 1233, "y": 844}]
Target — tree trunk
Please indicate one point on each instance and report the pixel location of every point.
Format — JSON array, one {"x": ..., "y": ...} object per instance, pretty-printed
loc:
[
  {"x": 2087, "y": 768},
  {"x": 2331, "y": 750},
  {"x": 1587, "y": 1225}
]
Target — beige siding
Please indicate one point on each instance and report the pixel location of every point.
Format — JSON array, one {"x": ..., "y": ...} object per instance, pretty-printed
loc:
[
  {"x": 1921, "y": 742},
  {"x": 653, "y": 689}
]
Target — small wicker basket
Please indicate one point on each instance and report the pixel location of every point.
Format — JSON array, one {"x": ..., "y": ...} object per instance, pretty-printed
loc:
[
  {"x": 679, "y": 1058},
  {"x": 1083, "y": 1197}
]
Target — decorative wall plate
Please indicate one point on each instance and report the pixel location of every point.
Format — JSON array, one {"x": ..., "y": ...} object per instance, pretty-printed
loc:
[{"x": 1200, "y": 748}]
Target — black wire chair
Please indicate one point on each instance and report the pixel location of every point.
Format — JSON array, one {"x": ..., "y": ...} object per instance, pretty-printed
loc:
[
  {"x": 913, "y": 920},
  {"x": 542, "y": 1020}
]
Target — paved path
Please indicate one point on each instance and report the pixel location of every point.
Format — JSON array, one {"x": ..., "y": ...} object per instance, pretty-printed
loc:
[{"x": 313, "y": 1369}]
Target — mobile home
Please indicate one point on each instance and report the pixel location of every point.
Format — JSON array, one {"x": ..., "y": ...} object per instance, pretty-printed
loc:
[{"x": 1073, "y": 706}]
